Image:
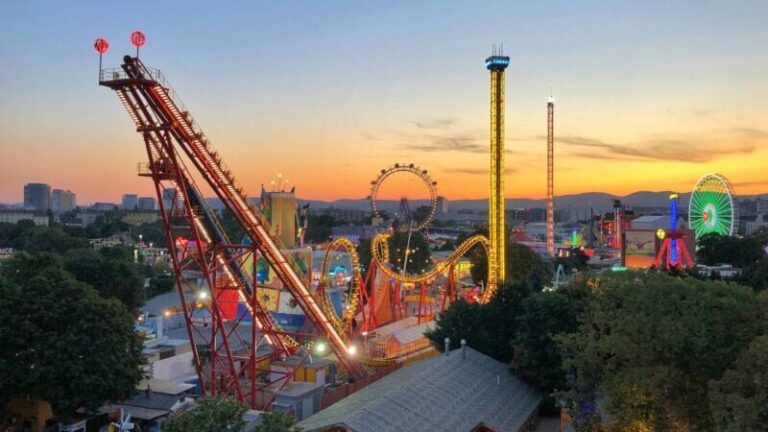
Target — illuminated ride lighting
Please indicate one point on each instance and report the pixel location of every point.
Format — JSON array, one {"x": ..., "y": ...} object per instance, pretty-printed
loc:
[
  {"x": 408, "y": 169},
  {"x": 711, "y": 208},
  {"x": 138, "y": 39},
  {"x": 496, "y": 64},
  {"x": 101, "y": 45},
  {"x": 320, "y": 348},
  {"x": 237, "y": 195}
]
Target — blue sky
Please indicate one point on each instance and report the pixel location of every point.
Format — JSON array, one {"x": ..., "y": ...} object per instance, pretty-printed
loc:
[{"x": 329, "y": 92}]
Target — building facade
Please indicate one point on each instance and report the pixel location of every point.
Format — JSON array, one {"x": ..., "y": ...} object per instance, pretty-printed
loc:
[
  {"x": 130, "y": 202},
  {"x": 37, "y": 196},
  {"x": 14, "y": 216},
  {"x": 63, "y": 201},
  {"x": 147, "y": 203}
]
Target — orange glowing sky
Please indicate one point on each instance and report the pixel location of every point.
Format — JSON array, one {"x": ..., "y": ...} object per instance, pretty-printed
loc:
[{"x": 648, "y": 96}]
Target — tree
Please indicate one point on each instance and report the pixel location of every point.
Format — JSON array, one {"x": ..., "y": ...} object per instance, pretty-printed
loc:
[
  {"x": 319, "y": 228},
  {"x": 739, "y": 400},
  {"x": 62, "y": 342},
  {"x": 576, "y": 260},
  {"x": 755, "y": 275},
  {"x": 740, "y": 252},
  {"x": 419, "y": 255},
  {"x": 211, "y": 414},
  {"x": 45, "y": 239},
  {"x": 421, "y": 214},
  {"x": 537, "y": 356},
  {"x": 107, "y": 225},
  {"x": 231, "y": 226},
  {"x": 524, "y": 265},
  {"x": 151, "y": 232},
  {"x": 277, "y": 422},
  {"x": 648, "y": 344},
  {"x": 488, "y": 328},
  {"x": 112, "y": 278}
]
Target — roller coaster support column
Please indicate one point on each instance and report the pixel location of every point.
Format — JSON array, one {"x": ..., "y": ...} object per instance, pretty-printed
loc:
[
  {"x": 450, "y": 294},
  {"x": 369, "y": 322},
  {"x": 496, "y": 64}
]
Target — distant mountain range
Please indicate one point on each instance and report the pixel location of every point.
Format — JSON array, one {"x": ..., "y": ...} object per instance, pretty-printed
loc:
[{"x": 597, "y": 200}]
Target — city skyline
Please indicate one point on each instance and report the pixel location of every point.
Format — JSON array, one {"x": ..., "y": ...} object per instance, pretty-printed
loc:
[{"x": 648, "y": 97}]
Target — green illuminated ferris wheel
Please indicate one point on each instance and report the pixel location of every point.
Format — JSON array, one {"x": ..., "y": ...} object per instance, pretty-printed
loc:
[{"x": 711, "y": 209}]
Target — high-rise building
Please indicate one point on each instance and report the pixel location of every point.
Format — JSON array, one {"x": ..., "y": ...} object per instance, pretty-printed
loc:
[
  {"x": 63, "y": 201},
  {"x": 130, "y": 201},
  {"x": 170, "y": 198},
  {"x": 496, "y": 64},
  {"x": 147, "y": 203},
  {"x": 442, "y": 205},
  {"x": 37, "y": 196}
]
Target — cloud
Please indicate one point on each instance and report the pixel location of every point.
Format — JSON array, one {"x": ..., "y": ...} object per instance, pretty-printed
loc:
[
  {"x": 461, "y": 142},
  {"x": 750, "y": 183},
  {"x": 475, "y": 171},
  {"x": 437, "y": 123},
  {"x": 676, "y": 150},
  {"x": 753, "y": 133}
]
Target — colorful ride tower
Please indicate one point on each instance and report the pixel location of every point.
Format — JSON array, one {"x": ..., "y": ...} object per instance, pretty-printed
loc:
[
  {"x": 673, "y": 252},
  {"x": 496, "y": 64}
]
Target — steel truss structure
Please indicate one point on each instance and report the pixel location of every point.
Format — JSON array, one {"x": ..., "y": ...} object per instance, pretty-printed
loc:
[{"x": 231, "y": 357}]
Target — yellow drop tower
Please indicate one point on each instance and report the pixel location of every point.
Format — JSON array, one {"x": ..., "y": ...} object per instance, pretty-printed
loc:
[{"x": 496, "y": 64}]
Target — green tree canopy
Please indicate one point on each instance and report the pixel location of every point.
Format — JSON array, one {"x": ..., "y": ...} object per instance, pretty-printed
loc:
[
  {"x": 45, "y": 239},
  {"x": 545, "y": 315},
  {"x": 739, "y": 400},
  {"x": 277, "y": 422},
  {"x": 488, "y": 328},
  {"x": 421, "y": 213},
  {"x": 62, "y": 342},
  {"x": 211, "y": 414},
  {"x": 648, "y": 344},
  {"x": 577, "y": 260},
  {"x": 112, "y": 278},
  {"x": 419, "y": 255},
  {"x": 740, "y": 252},
  {"x": 523, "y": 264}
]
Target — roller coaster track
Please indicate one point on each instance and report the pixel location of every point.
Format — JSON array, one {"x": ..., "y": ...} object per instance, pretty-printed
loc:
[
  {"x": 353, "y": 299},
  {"x": 380, "y": 254}
]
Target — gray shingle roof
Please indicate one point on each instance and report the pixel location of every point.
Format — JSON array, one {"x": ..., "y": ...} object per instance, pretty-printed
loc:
[
  {"x": 153, "y": 400},
  {"x": 438, "y": 394}
]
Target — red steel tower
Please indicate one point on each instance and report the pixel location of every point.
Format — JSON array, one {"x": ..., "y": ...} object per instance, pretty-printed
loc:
[
  {"x": 550, "y": 176},
  {"x": 231, "y": 357}
]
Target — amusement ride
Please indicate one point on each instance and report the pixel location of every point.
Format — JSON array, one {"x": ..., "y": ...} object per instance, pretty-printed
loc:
[
  {"x": 235, "y": 338},
  {"x": 234, "y": 346},
  {"x": 711, "y": 209}
]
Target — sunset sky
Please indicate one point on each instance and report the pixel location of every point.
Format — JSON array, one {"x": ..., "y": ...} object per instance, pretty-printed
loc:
[{"x": 649, "y": 95}]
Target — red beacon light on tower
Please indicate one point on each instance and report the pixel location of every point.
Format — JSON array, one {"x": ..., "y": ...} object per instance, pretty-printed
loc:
[
  {"x": 101, "y": 46},
  {"x": 138, "y": 39}
]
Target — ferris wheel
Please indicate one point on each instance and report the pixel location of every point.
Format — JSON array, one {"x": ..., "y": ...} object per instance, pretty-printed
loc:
[
  {"x": 420, "y": 177},
  {"x": 712, "y": 209}
]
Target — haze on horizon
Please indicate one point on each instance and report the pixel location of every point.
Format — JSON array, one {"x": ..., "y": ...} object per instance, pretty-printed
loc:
[{"x": 649, "y": 95}]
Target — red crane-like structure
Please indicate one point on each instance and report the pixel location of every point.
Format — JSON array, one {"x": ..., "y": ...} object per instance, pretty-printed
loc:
[{"x": 229, "y": 356}]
